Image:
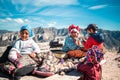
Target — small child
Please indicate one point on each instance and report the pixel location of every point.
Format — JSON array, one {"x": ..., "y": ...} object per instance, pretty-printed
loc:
[
  {"x": 23, "y": 46},
  {"x": 91, "y": 67},
  {"x": 94, "y": 37},
  {"x": 72, "y": 43}
]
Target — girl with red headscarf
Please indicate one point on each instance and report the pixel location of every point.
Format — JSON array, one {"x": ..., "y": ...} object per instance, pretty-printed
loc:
[{"x": 72, "y": 43}]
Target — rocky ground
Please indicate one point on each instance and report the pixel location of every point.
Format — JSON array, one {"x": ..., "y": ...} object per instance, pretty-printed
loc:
[{"x": 110, "y": 70}]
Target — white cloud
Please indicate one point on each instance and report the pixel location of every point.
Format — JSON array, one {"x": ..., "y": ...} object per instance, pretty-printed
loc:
[
  {"x": 62, "y": 26},
  {"x": 55, "y": 2},
  {"x": 8, "y": 19},
  {"x": 15, "y": 20},
  {"x": 35, "y": 5},
  {"x": 51, "y": 24},
  {"x": 18, "y": 20},
  {"x": 45, "y": 2},
  {"x": 60, "y": 11},
  {"x": 97, "y": 7},
  {"x": 21, "y": 2},
  {"x": 26, "y": 20}
]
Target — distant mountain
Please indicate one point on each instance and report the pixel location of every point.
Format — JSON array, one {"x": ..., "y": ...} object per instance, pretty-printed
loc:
[
  {"x": 112, "y": 38},
  {"x": 4, "y": 31}
]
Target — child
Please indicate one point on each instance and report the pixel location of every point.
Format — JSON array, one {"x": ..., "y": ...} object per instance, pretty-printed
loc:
[
  {"x": 94, "y": 37},
  {"x": 91, "y": 67},
  {"x": 72, "y": 43},
  {"x": 23, "y": 46},
  {"x": 21, "y": 55}
]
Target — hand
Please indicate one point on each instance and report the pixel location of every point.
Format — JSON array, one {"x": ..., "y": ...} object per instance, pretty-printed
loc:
[
  {"x": 83, "y": 39},
  {"x": 32, "y": 55}
]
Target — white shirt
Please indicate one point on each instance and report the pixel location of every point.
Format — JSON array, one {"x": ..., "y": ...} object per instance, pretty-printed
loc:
[{"x": 26, "y": 47}]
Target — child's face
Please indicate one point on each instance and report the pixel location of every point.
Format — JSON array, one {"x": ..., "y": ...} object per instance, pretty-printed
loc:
[
  {"x": 90, "y": 31},
  {"x": 24, "y": 35},
  {"x": 74, "y": 34}
]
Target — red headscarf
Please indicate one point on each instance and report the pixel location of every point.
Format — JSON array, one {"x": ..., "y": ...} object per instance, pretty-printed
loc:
[{"x": 73, "y": 28}]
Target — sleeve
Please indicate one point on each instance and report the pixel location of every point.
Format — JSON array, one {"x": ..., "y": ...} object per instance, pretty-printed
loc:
[
  {"x": 36, "y": 47},
  {"x": 102, "y": 37},
  {"x": 16, "y": 46},
  {"x": 88, "y": 44},
  {"x": 71, "y": 45}
]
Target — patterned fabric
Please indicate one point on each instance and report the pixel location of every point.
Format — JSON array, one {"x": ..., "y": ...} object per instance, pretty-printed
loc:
[
  {"x": 94, "y": 55},
  {"x": 7, "y": 67},
  {"x": 50, "y": 63},
  {"x": 53, "y": 64},
  {"x": 90, "y": 71},
  {"x": 26, "y": 60},
  {"x": 91, "y": 68},
  {"x": 70, "y": 44}
]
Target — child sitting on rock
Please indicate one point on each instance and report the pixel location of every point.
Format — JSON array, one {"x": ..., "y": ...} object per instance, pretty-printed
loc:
[
  {"x": 72, "y": 43},
  {"x": 90, "y": 66},
  {"x": 23, "y": 53},
  {"x": 23, "y": 46}
]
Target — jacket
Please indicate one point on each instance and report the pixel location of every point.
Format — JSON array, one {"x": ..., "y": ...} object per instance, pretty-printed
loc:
[
  {"x": 70, "y": 44},
  {"x": 94, "y": 39}
]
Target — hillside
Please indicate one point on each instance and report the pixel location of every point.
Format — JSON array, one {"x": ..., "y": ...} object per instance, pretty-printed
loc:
[
  {"x": 4, "y": 31},
  {"x": 112, "y": 38}
]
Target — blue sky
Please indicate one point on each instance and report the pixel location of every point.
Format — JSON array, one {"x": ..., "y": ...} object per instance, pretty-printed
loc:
[{"x": 59, "y": 13}]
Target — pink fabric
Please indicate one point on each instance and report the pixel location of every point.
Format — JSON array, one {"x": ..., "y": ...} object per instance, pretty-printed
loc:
[
  {"x": 41, "y": 73},
  {"x": 94, "y": 55},
  {"x": 90, "y": 71},
  {"x": 91, "y": 67}
]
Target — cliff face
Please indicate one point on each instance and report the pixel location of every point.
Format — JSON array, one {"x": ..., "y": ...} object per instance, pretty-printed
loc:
[{"x": 112, "y": 38}]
